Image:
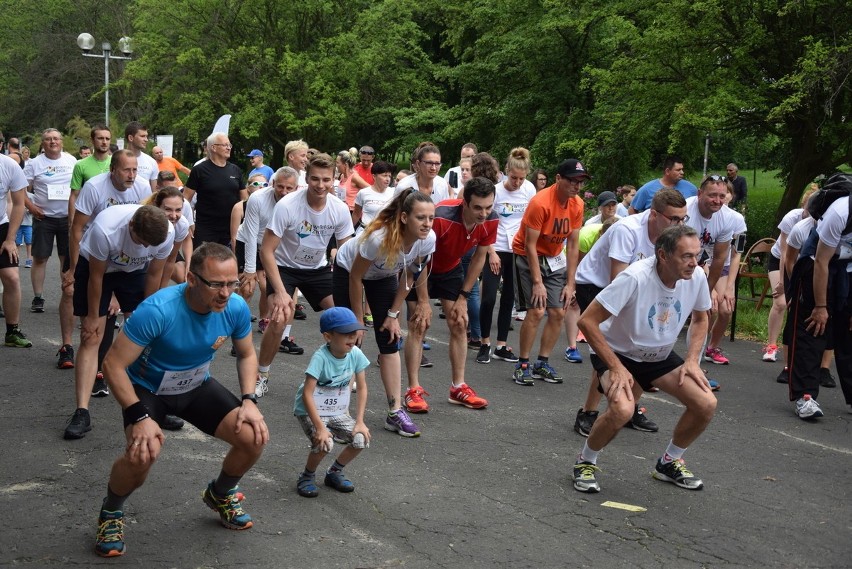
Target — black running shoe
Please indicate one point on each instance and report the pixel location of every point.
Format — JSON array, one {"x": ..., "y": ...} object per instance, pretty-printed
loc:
[
  {"x": 66, "y": 357},
  {"x": 299, "y": 314},
  {"x": 288, "y": 346},
  {"x": 172, "y": 423},
  {"x": 641, "y": 422},
  {"x": 584, "y": 421},
  {"x": 825, "y": 378},
  {"x": 678, "y": 474},
  {"x": 79, "y": 424},
  {"x": 784, "y": 376},
  {"x": 37, "y": 305},
  {"x": 100, "y": 388}
]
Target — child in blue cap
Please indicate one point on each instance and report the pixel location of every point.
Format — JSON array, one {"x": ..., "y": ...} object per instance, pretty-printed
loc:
[{"x": 322, "y": 401}]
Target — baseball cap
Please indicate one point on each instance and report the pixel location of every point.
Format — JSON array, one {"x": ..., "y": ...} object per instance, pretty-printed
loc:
[
  {"x": 341, "y": 320},
  {"x": 254, "y": 153},
  {"x": 572, "y": 168},
  {"x": 606, "y": 198}
]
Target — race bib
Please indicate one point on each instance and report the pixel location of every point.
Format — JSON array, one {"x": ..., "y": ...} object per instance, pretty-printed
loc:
[
  {"x": 332, "y": 401},
  {"x": 649, "y": 353},
  {"x": 58, "y": 192},
  {"x": 308, "y": 256},
  {"x": 177, "y": 382},
  {"x": 557, "y": 263}
]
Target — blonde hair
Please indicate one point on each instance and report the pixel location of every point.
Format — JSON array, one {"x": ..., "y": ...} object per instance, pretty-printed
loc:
[{"x": 519, "y": 159}]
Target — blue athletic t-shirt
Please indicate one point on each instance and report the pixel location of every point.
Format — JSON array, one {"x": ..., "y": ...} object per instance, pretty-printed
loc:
[
  {"x": 330, "y": 372},
  {"x": 176, "y": 338},
  {"x": 642, "y": 199}
]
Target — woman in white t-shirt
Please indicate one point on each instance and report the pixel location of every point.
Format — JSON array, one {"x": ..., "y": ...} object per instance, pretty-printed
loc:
[
  {"x": 399, "y": 240},
  {"x": 510, "y": 203},
  {"x": 427, "y": 163},
  {"x": 372, "y": 199},
  {"x": 170, "y": 200}
]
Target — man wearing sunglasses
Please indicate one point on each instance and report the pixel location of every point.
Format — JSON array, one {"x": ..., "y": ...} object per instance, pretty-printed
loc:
[
  {"x": 258, "y": 167},
  {"x": 218, "y": 185},
  {"x": 715, "y": 225},
  {"x": 160, "y": 364},
  {"x": 673, "y": 177},
  {"x": 629, "y": 240},
  {"x": 364, "y": 168}
]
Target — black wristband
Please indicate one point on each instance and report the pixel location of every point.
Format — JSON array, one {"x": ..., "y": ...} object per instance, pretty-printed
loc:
[
  {"x": 464, "y": 293},
  {"x": 135, "y": 413}
]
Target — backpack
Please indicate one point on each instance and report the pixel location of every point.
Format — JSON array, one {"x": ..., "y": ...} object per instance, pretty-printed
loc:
[{"x": 837, "y": 186}]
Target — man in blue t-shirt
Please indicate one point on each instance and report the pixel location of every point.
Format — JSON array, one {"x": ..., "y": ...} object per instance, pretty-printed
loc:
[
  {"x": 160, "y": 364},
  {"x": 672, "y": 178},
  {"x": 258, "y": 167}
]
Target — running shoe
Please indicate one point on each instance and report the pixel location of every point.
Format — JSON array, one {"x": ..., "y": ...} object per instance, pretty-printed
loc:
[
  {"x": 262, "y": 325},
  {"x": 715, "y": 355},
  {"x": 229, "y": 508},
  {"x": 425, "y": 362},
  {"x": 584, "y": 477},
  {"x": 678, "y": 474},
  {"x": 770, "y": 353},
  {"x": 581, "y": 338},
  {"x": 544, "y": 371},
  {"x": 414, "y": 401},
  {"x": 522, "y": 374},
  {"x": 28, "y": 264},
  {"x": 573, "y": 355},
  {"x": 521, "y": 315},
  {"x": 16, "y": 339},
  {"x": 172, "y": 423},
  {"x": 37, "y": 305},
  {"x": 306, "y": 486},
  {"x": 338, "y": 481},
  {"x": 825, "y": 377},
  {"x": 66, "y": 357},
  {"x": 484, "y": 355},
  {"x": 714, "y": 385},
  {"x": 465, "y": 395},
  {"x": 808, "y": 408},
  {"x": 784, "y": 376},
  {"x": 110, "y": 539},
  {"x": 474, "y": 344},
  {"x": 79, "y": 424},
  {"x": 261, "y": 385},
  {"x": 100, "y": 388},
  {"x": 299, "y": 314},
  {"x": 368, "y": 320},
  {"x": 400, "y": 422},
  {"x": 640, "y": 422},
  {"x": 289, "y": 346},
  {"x": 426, "y": 345},
  {"x": 505, "y": 353},
  {"x": 585, "y": 421}
]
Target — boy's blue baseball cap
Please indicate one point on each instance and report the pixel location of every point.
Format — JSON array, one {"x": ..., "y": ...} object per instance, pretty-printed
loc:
[{"x": 339, "y": 319}]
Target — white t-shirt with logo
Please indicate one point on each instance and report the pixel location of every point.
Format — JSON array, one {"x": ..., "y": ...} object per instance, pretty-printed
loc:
[
  {"x": 790, "y": 219},
  {"x": 146, "y": 168},
  {"x": 719, "y": 228},
  {"x": 371, "y": 202},
  {"x": 647, "y": 316},
  {"x": 51, "y": 181},
  {"x": 108, "y": 239},
  {"x": 12, "y": 179},
  {"x": 380, "y": 268},
  {"x": 305, "y": 233},
  {"x": 99, "y": 193},
  {"x": 510, "y": 207},
  {"x": 440, "y": 188},
  {"x": 626, "y": 241}
]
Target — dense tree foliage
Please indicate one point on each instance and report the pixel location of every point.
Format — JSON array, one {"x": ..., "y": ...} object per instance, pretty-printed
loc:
[{"x": 618, "y": 83}]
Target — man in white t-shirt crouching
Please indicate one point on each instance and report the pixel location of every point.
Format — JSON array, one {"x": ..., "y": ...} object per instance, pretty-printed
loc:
[{"x": 632, "y": 326}]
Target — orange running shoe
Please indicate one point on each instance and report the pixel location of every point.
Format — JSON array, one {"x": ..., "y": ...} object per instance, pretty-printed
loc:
[
  {"x": 414, "y": 401},
  {"x": 465, "y": 395}
]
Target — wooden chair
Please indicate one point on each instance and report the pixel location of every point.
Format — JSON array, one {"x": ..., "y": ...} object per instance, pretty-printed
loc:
[{"x": 756, "y": 258}]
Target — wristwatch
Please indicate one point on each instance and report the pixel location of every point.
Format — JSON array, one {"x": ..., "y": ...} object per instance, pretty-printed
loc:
[
  {"x": 393, "y": 314},
  {"x": 250, "y": 397},
  {"x": 465, "y": 293}
]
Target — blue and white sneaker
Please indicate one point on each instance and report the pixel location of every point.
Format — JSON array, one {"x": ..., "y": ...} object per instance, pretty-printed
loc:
[
  {"x": 543, "y": 370},
  {"x": 573, "y": 355}
]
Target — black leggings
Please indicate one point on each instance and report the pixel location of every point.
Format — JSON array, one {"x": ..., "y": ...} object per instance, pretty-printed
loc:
[
  {"x": 490, "y": 283},
  {"x": 380, "y": 294}
]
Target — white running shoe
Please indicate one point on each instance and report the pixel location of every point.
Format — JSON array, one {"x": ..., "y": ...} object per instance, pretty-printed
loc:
[
  {"x": 770, "y": 353},
  {"x": 808, "y": 408}
]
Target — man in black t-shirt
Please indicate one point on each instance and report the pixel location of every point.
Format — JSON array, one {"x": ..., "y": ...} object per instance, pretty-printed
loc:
[{"x": 218, "y": 185}]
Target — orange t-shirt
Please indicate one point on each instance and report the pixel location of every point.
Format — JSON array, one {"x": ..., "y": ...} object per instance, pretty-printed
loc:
[
  {"x": 169, "y": 164},
  {"x": 555, "y": 222}
]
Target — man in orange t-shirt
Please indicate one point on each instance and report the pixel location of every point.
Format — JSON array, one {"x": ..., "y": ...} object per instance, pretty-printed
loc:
[
  {"x": 544, "y": 273},
  {"x": 168, "y": 164}
]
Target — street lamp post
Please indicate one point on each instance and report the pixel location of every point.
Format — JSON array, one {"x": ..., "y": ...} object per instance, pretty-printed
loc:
[{"x": 86, "y": 42}]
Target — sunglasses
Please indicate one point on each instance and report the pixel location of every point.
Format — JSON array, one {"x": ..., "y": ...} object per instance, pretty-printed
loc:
[
  {"x": 367, "y": 152},
  {"x": 259, "y": 184},
  {"x": 715, "y": 178}
]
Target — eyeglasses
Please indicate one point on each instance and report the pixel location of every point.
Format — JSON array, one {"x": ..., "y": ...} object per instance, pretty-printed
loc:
[
  {"x": 259, "y": 184},
  {"x": 225, "y": 145},
  {"x": 432, "y": 164},
  {"x": 233, "y": 285},
  {"x": 715, "y": 178},
  {"x": 367, "y": 152},
  {"x": 674, "y": 219}
]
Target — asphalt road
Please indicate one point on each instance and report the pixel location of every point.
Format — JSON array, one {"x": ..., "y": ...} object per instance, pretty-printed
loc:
[{"x": 487, "y": 488}]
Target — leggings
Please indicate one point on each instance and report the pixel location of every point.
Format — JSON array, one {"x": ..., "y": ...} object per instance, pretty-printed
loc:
[{"x": 490, "y": 283}]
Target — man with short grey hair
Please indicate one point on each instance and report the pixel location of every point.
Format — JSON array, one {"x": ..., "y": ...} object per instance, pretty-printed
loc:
[
  {"x": 740, "y": 185},
  {"x": 218, "y": 185}
]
